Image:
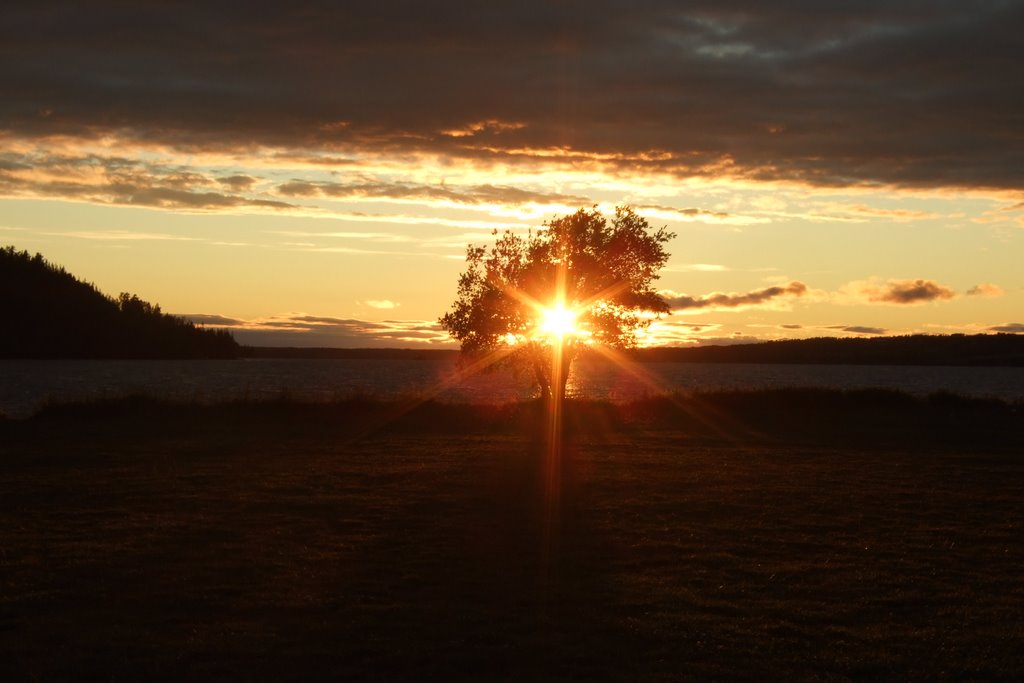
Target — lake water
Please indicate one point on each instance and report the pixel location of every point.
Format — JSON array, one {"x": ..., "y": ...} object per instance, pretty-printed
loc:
[{"x": 26, "y": 385}]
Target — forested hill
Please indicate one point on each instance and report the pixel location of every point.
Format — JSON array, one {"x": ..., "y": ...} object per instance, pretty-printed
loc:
[
  {"x": 48, "y": 313},
  {"x": 917, "y": 349}
]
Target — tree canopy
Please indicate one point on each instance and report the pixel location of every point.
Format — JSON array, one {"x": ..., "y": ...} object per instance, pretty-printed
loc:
[{"x": 578, "y": 281}]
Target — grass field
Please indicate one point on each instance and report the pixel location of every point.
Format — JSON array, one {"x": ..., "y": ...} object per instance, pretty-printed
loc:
[{"x": 148, "y": 545}]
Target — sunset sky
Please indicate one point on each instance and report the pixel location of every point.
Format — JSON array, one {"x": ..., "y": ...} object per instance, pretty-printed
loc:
[{"x": 311, "y": 173}]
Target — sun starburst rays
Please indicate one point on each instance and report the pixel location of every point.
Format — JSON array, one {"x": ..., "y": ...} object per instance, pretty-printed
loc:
[{"x": 558, "y": 321}]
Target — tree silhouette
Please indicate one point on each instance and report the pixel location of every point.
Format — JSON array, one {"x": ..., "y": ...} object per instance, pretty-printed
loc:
[
  {"x": 540, "y": 299},
  {"x": 51, "y": 314}
]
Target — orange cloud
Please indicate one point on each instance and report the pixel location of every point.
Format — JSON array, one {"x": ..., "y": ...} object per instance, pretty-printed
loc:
[
  {"x": 719, "y": 300},
  {"x": 897, "y": 292},
  {"x": 911, "y": 292},
  {"x": 986, "y": 289}
]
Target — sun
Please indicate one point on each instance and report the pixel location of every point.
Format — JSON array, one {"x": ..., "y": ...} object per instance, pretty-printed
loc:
[{"x": 558, "y": 321}]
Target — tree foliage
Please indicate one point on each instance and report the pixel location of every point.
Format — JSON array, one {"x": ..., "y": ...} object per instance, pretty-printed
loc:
[{"x": 600, "y": 271}]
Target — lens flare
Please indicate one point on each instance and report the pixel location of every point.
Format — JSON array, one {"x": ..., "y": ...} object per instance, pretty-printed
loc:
[{"x": 558, "y": 321}]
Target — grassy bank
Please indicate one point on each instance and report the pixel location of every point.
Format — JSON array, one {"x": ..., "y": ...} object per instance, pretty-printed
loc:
[
  {"x": 873, "y": 417},
  {"x": 383, "y": 541}
]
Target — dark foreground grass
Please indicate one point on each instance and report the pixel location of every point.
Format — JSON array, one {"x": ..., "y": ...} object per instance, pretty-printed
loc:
[
  {"x": 872, "y": 417},
  {"x": 142, "y": 541}
]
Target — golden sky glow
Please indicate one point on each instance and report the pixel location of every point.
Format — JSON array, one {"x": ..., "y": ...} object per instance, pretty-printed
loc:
[
  {"x": 376, "y": 262},
  {"x": 324, "y": 193}
]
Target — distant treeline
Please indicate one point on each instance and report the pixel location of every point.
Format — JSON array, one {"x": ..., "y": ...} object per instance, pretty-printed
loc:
[
  {"x": 48, "y": 313},
  {"x": 333, "y": 353},
  {"x": 917, "y": 349}
]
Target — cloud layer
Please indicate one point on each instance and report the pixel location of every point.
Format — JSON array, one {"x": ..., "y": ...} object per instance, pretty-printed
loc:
[
  {"x": 301, "y": 329},
  {"x": 903, "y": 292},
  {"x": 905, "y": 93},
  {"x": 986, "y": 289},
  {"x": 117, "y": 180},
  {"x": 859, "y": 329},
  {"x": 720, "y": 300}
]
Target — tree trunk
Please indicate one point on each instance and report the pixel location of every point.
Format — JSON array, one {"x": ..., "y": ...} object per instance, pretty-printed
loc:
[
  {"x": 542, "y": 379},
  {"x": 563, "y": 369},
  {"x": 564, "y": 379}
]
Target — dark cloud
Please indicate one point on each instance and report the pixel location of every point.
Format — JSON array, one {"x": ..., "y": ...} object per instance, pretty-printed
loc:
[
  {"x": 321, "y": 320},
  {"x": 758, "y": 297},
  {"x": 165, "y": 197},
  {"x": 792, "y": 326},
  {"x": 986, "y": 289},
  {"x": 685, "y": 213},
  {"x": 909, "y": 292},
  {"x": 1013, "y": 328},
  {"x": 114, "y": 180},
  {"x": 11, "y": 164},
  {"x": 858, "y": 329},
  {"x": 314, "y": 330},
  {"x": 213, "y": 321},
  {"x": 736, "y": 339},
  {"x": 474, "y": 194},
  {"x": 917, "y": 94},
  {"x": 238, "y": 183}
]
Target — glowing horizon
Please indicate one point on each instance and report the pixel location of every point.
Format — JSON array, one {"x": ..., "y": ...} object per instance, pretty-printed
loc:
[{"x": 319, "y": 189}]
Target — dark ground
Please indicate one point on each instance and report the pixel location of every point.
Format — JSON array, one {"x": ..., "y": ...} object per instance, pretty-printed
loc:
[{"x": 148, "y": 545}]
